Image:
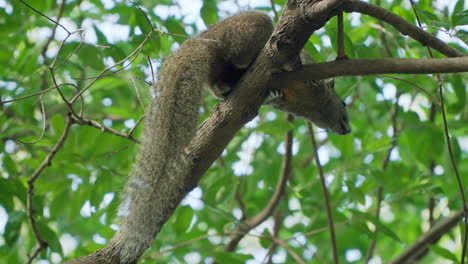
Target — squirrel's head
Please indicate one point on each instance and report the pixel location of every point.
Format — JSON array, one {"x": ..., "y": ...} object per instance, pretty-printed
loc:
[
  {"x": 329, "y": 112},
  {"x": 316, "y": 101}
]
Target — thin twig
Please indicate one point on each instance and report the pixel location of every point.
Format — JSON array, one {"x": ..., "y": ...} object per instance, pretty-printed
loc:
[
  {"x": 291, "y": 252},
  {"x": 110, "y": 154},
  {"x": 278, "y": 223},
  {"x": 153, "y": 77},
  {"x": 49, "y": 40},
  {"x": 41, "y": 14},
  {"x": 130, "y": 133},
  {"x": 144, "y": 14},
  {"x": 57, "y": 87},
  {"x": 373, "y": 244},
  {"x": 42, "y": 244},
  {"x": 273, "y": 203},
  {"x": 273, "y": 8},
  {"x": 134, "y": 52},
  {"x": 62, "y": 44},
  {"x": 341, "y": 42},
  {"x": 455, "y": 169},
  {"x": 431, "y": 96},
  {"x": 29, "y": 96},
  {"x": 138, "y": 94},
  {"x": 105, "y": 129},
  {"x": 325, "y": 195}
]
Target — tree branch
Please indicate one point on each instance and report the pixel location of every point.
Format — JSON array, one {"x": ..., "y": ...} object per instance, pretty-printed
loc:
[
  {"x": 359, "y": 67},
  {"x": 401, "y": 25},
  {"x": 30, "y": 207},
  {"x": 256, "y": 220},
  {"x": 326, "y": 196},
  {"x": 426, "y": 239}
]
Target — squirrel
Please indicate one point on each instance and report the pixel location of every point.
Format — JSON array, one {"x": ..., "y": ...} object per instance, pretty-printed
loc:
[
  {"x": 315, "y": 101},
  {"x": 217, "y": 58}
]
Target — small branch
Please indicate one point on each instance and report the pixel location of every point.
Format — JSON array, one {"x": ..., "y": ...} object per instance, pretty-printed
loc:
[
  {"x": 130, "y": 133},
  {"x": 325, "y": 195},
  {"x": 42, "y": 244},
  {"x": 274, "y": 9},
  {"x": 133, "y": 53},
  {"x": 62, "y": 44},
  {"x": 57, "y": 87},
  {"x": 455, "y": 170},
  {"x": 291, "y": 252},
  {"x": 396, "y": 132},
  {"x": 426, "y": 239},
  {"x": 240, "y": 202},
  {"x": 254, "y": 221},
  {"x": 449, "y": 146},
  {"x": 373, "y": 244},
  {"x": 278, "y": 223},
  {"x": 49, "y": 40},
  {"x": 144, "y": 14},
  {"x": 105, "y": 129},
  {"x": 401, "y": 25},
  {"x": 341, "y": 42},
  {"x": 41, "y": 14},
  {"x": 29, "y": 96},
  {"x": 431, "y": 96},
  {"x": 138, "y": 94}
]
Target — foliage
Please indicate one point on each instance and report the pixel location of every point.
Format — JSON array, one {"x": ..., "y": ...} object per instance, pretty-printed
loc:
[{"x": 77, "y": 195}]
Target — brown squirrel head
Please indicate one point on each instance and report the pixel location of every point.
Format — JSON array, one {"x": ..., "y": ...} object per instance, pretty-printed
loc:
[{"x": 316, "y": 101}]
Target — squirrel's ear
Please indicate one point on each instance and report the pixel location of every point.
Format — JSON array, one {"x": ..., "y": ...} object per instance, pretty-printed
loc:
[{"x": 331, "y": 83}]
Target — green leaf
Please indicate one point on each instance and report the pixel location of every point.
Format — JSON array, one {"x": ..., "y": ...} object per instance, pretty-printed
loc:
[
  {"x": 9, "y": 165},
  {"x": 58, "y": 123},
  {"x": 209, "y": 12},
  {"x": 414, "y": 143},
  {"x": 460, "y": 18},
  {"x": 142, "y": 22},
  {"x": 91, "y": 56},
  {"x": 445, "y": 253},
  {"x": 463, "y": 35},
  {"x": 13, "y": 227},
  {"x": 381, "y": 227},
  {"x": 426, "y": 15},
  {"x": 102, "y": 39},
  {"x": 50, "y": 237},
  {"x": 183, "y": 219},
  {"x": 459, "y": 7}
]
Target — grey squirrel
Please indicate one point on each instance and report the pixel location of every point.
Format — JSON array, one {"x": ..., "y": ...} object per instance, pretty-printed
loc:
[
  {"x": 217, "y": 59},
  {"x": 316, "y": 101}
]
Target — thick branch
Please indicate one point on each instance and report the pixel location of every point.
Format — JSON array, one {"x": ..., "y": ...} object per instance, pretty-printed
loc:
[
  {"x": 359, "y": 67},
  {"x": 401, "y": 25}
]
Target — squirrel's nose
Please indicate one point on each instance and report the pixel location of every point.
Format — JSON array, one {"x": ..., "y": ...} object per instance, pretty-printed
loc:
[{"x": 345, "y": 129}]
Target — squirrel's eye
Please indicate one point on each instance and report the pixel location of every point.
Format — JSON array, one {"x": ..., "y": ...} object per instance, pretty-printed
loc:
[{"x": 344, "y": 104}]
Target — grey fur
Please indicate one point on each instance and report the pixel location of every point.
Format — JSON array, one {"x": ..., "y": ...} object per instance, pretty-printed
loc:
[{"x": 171, "y": 123}]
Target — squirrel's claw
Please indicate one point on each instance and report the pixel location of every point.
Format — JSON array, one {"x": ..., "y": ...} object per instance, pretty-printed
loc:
[{"x": 274, "y": 94}]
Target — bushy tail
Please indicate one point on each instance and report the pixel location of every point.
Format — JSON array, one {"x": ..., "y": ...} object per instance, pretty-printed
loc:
[{"x": 155, "y": 187}]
